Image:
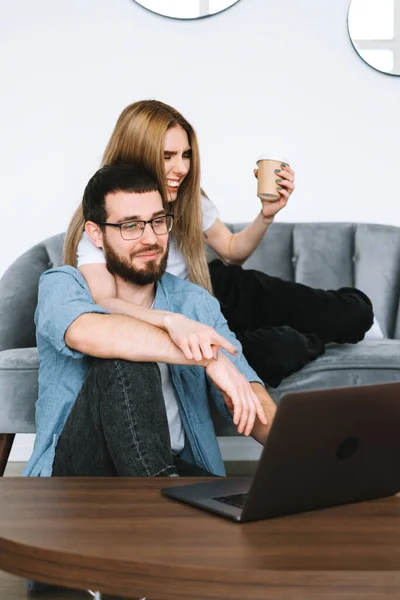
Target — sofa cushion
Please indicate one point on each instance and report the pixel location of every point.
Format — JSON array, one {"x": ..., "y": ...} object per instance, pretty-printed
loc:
[
  {"x": 19, "y": 292},
  {"x": 323, "y": 254},
  {"x": 19, "y": 390},
  {"x": 377, "y": 271},
  {"x": 367, "y": 363}
]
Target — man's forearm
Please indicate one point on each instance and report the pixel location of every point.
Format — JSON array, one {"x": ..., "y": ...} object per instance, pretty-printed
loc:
[
  {"x": 123, "y": 307},
  {"x": 124, "y": 337},
  {"x": 260, "y": 431}
]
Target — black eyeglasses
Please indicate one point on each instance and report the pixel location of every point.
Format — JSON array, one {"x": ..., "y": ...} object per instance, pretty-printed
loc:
[{"x": 133, "y": 230}]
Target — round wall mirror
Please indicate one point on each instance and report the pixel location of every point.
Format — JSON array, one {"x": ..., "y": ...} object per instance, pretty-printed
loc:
[
  {"x": 374, "y": 29},
  {"x": 186, "y": 9}
]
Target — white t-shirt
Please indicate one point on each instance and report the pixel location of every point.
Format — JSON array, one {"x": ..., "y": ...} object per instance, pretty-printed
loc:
[
  {"x": 175, "y": 426},
  {"x": 89, "y": 254}
]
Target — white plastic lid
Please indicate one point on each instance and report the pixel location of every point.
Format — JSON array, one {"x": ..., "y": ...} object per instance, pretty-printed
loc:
[{"x": 273, "y": 156}]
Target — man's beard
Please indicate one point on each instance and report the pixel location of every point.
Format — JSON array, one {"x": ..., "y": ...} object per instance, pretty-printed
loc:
[{"x": 152, "y": 272}]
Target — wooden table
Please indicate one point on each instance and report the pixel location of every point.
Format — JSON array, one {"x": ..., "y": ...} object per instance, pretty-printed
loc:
[{"x": 120, "y": 536}]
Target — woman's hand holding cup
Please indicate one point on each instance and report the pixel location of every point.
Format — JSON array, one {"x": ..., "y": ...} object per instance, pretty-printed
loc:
[{"x": 275, "y": 185}]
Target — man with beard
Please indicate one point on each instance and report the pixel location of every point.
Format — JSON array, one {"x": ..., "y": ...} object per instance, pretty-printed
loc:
[{"x": 117, "y": 397}]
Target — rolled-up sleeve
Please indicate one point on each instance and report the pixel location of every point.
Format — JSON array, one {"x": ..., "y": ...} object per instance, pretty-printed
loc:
[{"x": 63, "y": 297}]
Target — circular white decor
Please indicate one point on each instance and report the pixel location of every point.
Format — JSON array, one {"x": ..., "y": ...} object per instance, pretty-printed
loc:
[
  {"x": 374, "y": 29},
  {"x": 186, "y": 9}
]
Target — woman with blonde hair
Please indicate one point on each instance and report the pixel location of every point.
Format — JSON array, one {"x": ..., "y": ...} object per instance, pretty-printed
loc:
[{"x": 281, "y": 325}]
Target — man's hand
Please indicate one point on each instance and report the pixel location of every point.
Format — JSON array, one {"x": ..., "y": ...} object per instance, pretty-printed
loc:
[
  {"x": 195, "y": 340},
  {"x": 260, "y": 430},
  {"x": 238, "y": 394}
]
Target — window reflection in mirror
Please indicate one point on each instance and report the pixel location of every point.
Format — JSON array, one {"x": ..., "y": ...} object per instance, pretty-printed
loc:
[
  {"x": 374, "y": 29},
  {"x": 186, "y": 9}
]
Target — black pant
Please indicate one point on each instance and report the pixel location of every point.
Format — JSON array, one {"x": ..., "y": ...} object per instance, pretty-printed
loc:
[
  {"x": 283, "y": 325},
  {"x": 118, "y": 426}
]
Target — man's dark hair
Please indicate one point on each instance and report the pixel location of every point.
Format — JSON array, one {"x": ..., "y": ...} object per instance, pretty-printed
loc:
[{"x": 110, "y": 179}]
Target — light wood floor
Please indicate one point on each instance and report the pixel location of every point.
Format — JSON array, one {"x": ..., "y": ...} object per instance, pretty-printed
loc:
[
  {"x": 233, "y": 468},
  {"x": 13, "y": 588},
  {"x": 14, "y": 469}
]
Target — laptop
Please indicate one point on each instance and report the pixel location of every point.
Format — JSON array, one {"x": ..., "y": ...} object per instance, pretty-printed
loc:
[{"x": 325, "y": 448}]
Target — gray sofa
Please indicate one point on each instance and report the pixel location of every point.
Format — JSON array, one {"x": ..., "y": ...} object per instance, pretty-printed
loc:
[{"x": 325, "y": 255}]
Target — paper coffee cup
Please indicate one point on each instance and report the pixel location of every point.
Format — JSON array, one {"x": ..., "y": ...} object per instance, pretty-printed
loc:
[{"x": 267, "y": 186}]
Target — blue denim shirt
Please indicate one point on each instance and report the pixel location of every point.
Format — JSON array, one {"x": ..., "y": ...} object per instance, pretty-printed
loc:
[{"x": 63, "y": 297}]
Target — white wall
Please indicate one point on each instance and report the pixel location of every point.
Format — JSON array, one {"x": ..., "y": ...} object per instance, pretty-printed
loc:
[{"x": 263, "y": 73}]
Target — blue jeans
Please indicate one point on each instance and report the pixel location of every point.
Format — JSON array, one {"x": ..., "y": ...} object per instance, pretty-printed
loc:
[{"x": 118, "y": 426}]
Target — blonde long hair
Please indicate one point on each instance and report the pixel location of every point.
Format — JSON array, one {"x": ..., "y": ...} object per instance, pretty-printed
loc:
[{"x": 139, "y": 137}]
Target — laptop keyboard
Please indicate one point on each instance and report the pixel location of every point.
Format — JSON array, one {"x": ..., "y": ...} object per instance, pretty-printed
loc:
[{"x": 237, "y": 500}]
